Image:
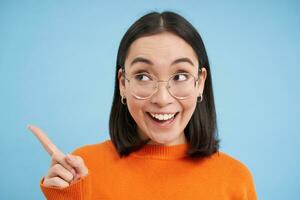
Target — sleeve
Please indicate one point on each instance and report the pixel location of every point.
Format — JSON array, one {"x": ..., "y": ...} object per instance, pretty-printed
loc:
[
  {"x": 241, "y": 182},
  {"x": 250, "y": 190},
  {"x": 78, "y": 190},
  {"x": 246, "y": 185}
]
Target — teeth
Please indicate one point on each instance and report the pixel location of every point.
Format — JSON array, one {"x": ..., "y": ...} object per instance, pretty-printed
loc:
[{"x": 162, "y": 116}]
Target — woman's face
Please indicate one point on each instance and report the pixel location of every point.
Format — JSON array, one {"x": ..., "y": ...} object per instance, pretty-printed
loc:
[{"x": 158, "y": 53}]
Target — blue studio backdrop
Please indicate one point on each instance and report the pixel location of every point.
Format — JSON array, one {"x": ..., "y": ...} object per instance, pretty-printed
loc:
[{"x": 57, "y": 68}]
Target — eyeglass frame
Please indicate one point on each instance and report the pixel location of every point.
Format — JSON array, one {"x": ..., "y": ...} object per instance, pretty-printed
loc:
[{"x": 158, "y": 81}]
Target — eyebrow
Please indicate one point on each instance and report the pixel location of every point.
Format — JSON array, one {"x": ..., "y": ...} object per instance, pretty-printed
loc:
[{"x": 144, "y": 60}]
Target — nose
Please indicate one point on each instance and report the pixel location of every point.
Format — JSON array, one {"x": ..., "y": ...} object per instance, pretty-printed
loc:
[{"x": 162, "y": 97}]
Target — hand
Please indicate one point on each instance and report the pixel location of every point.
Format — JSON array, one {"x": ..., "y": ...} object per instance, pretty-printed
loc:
[{"x": 64, "y": 169}]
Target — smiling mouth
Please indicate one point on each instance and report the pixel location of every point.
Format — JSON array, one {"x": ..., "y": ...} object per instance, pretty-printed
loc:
[{"x": 162, "y": 118}]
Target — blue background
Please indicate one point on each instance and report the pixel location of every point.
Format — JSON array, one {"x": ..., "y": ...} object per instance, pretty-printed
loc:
[{"x": 57, "y": 62}]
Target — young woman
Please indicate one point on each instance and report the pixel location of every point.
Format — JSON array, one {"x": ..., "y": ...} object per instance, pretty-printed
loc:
[{"x": 164, "y": 142}]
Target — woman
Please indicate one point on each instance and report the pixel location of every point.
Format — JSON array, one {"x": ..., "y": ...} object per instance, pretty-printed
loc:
[{"x": 164, "y": 142}]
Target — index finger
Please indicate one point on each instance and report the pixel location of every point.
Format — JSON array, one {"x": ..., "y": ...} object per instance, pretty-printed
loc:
[{"x": 45, "y": 141}]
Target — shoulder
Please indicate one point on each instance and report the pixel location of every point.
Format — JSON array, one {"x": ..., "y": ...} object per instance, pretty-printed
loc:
[
  {"x": 230, "y": 161},
  {"x": 232, "y": 167},
  {"x": 104, "y": 150},
  {"x": 237, "y": 174}
]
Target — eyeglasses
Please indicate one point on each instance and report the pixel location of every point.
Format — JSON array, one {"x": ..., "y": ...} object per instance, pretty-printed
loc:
[{"x": 144, "y": 85}]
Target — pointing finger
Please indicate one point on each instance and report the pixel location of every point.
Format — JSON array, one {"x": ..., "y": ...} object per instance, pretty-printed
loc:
[
  {"x": 45, "y": 141},
  {"x": 56, "y": 155}
]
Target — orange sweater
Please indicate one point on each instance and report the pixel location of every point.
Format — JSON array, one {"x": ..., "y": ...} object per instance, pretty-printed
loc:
[{"x": 156, "y": 172}]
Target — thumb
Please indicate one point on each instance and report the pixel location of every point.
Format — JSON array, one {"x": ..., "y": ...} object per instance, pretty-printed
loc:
[{"x": 78, "y": 164}]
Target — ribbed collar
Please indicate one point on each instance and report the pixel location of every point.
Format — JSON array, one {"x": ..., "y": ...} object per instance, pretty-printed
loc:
[{"x": 162, "y": 152}]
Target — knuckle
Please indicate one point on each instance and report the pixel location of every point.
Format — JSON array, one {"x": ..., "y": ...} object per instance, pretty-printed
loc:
[
  {"x": 69, "y": 176},
  {"x": 59, "y": 170},
  {"x": 51, "y": 182},
  {"x": 80, "y": 160},
  {"x": 57, "y": 157},
  {"x": 46, "y": 178},
  {"x": 64, "y": 185},
  {"x": 54, "y": 156},
  {"x": 46, "y": 182},
  {"x": 56, "y": 167},
  {"x": 50, "y": 173},
  {"x": 59, "y": 182},
  {"x": 56, "y": 180}
]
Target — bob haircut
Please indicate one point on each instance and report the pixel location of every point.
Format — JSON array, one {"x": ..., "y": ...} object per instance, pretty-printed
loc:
[{"x": 201, "y": 130}]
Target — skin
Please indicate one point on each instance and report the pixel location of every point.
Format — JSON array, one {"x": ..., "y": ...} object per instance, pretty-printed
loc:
[
  {"x": 161, "y": 49},
  {"x": 64, "y": 169}
]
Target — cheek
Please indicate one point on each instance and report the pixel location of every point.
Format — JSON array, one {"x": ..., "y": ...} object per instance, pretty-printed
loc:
[
  {"x": 135, "y": 108},
  {"x": 189, "y": 107}
]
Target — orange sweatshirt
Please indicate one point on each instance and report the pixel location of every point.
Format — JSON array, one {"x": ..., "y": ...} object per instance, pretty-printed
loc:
[{"x": 156, "y": 172}]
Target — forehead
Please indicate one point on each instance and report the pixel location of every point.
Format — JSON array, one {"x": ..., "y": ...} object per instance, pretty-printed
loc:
[{"x": 162, "y": 48}]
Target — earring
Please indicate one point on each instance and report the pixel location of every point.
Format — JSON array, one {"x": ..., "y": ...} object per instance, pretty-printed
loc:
[
  {"x": 122, "y": 100},
  {"x": 201, "y": 98}
]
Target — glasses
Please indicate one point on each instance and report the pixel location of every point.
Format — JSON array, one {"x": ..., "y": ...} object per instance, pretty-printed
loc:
[{"x": 179, "y": 85}]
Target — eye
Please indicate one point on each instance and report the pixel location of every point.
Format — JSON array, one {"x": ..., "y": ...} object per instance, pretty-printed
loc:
[
  {"x": 181, "y": 77},
  {"x": 142, "y": 77}
]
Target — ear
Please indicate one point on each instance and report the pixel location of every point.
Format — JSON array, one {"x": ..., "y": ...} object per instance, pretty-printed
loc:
[
  {"x": 121, "y": 82},
  {"x": 201, "y": 81}
]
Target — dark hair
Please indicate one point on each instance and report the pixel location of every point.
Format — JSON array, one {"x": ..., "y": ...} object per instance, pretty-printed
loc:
[{"x": 201, "y": 131}]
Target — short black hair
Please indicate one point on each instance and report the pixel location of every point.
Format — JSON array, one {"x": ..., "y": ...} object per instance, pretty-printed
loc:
[{"x": 201, "y": 130}]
